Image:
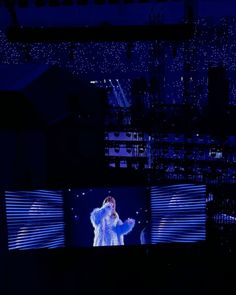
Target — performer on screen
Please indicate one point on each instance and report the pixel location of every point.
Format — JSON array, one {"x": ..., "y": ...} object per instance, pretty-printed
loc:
[{"x": 109, "y": 230}]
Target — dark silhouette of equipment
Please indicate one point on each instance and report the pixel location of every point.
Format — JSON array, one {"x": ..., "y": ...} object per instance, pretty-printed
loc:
[
  {"x": 51, "y": 127},
  {"x": 218, "y": 97}
]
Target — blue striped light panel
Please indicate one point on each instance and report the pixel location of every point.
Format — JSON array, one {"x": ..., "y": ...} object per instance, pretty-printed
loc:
[
  {"x": 178, "y": 213},
  {"x": 35, "y": 219}
]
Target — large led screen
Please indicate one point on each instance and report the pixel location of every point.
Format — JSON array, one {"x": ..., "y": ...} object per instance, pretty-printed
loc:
[
  {"x": 120, "y": 216},
  {"x": 35, "y": 219}
]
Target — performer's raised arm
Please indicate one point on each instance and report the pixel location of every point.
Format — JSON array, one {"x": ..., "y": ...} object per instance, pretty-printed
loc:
[
  {"x": 109, "y": 230},
  {"x": 99, "y": 213},
  {"x": 123, "y": 228}
]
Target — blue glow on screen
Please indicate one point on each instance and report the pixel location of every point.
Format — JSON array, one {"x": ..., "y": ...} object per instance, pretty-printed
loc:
[
  {"x": 162, "y": 214},
  {"x": 178, "y": 213},
  {"x": 35, "y": 219},
  {"x": 131, "y": 202}
]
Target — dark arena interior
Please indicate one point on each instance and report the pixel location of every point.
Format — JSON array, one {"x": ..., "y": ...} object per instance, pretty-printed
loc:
[{"x": 117, "y": 146}]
